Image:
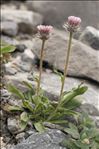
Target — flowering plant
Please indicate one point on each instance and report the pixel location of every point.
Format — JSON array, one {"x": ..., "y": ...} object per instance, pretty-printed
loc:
[{"x": 36, "y": 107}]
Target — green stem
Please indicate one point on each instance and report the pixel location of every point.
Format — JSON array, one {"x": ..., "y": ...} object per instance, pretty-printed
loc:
[
  {"x": 41, "y": 64},
  {"x": 65, "y": 74}
]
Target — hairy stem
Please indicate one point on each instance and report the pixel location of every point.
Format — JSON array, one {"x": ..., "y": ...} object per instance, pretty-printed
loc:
[
  {"x": 41, "y": 63},
  {"x": 66, "y": 64}
]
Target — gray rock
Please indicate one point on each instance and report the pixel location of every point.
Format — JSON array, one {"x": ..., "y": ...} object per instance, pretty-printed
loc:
[
  {"x": 90, "y": 36},
  {"x": 83, "y": 59},
  {"x": 5, "y": 96},
  {"x": 9, "y": 40},
  {"x": 56, "y": 12},
  {"x": 20, "y": 47},
  {"x": 96, "y": 119},
  {"x": 13, "y": 124},
  {"x": 27, "y": 43},
  {"x": 9, "y": 70},
  {"x": 20, "y": 137},
  {"x": 9, "y": 28},
  {"x": 25, "y": 61},
  {"x": 90, "y": 109},
  {"x": 47, "y": 140},
  {"x": 26, "y": 20},
  {"x": 25, "y": 67},
  {"x": 28, "y": 56}
]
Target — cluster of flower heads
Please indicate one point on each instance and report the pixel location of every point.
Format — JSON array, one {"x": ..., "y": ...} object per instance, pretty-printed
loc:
[{"x": 72, "y": 25}]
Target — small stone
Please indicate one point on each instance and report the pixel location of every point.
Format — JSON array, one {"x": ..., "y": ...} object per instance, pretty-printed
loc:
[
  {"x": 27, "y": 43},
  {"x": 9, "y": 28},
  {"x": 28, "y": 56},
  {"x": 20, "y": 47},
  {"x": 20, "y": 137},
  {"x": 9, "y": 70},
  {"x": 5, "y": 96},
  {"x": 13, "y": 124},
  {"x": 96, "y": 120}
]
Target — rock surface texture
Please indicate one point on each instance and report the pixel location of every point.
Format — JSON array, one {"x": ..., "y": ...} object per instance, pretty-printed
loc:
[
  {"x": 47, "y": 140},
  {"x": 56, "y": 12},
  {"x": 90, "y": 36},
  {"x": 26, "y": 20}
]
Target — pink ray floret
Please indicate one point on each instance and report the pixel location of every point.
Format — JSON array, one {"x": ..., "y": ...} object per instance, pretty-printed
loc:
[
  {"x": 74, "y": 21},
  {"x": 44, "y": 28}
]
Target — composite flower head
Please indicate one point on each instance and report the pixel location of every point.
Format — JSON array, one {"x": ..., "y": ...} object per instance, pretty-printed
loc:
[
  {"x": 72, "y": 24},
  {"x": 44, "y": 31}
]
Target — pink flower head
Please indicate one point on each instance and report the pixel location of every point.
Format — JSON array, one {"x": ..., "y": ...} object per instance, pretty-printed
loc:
[
  {"x": 44, "y": 31},
  {"x": 73, "y": 23}
]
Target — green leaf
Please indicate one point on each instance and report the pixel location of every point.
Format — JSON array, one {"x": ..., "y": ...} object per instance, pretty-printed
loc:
[
  {"x": 23, "y": 125},
  {"x": 29, "y": 85},
  {"x": 7, "y": 49},
  {"x": 69, "y": 144},
  {"x": 72, "y": 94},
  {"x": 59, "y": 121},
  {"x": 73, "y": 131},
  {"x": 24, "y": 117},
  {"x": 27, "y": 104},
  {"x": 68, "y": 112},
  {"x": 15, "y": 91},
  {"x": 39, "y": 127},
  {"x": 73, "y": 103},
  {"x": 15, "y": 108}
]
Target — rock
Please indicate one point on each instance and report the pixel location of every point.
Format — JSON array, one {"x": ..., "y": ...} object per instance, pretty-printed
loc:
[
  {"x": 9, "y": 40},
  {"x": 47, "y": 140},
  {"x": 25, "y": 61},
  {"x": 28, "y": 56},
  {"x": 20, "y": 137},
  {"x": 96, "y": 119},
  {"x": 83, "y": 59},
  {"x": 56, "y": 12},
  {"x": 9, "y": 70},
  {"x": 9, "y": 28},
  {"x": 90, "y": 109},
  {"x": 13, "y": 124},
  {"x": 20, "y": 47},
  {"x": 27, "y": 43},
  {"x": 5, "y": 96},
  {"x": 90, "y": 36},
  {"x": 26, "y": 20}
]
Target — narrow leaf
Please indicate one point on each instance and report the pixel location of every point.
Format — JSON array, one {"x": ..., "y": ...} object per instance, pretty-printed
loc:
[{"x": 39, "y": 127}]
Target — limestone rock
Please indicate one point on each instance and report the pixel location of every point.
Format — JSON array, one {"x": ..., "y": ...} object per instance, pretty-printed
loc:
[
  {"x": 47, "y": 140},
  {"x": 90, "y": 36},
  {"x": 9, "y": 28},
  {"x": 26, "y": 20},
  {"x": 56, "y": 12}
]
